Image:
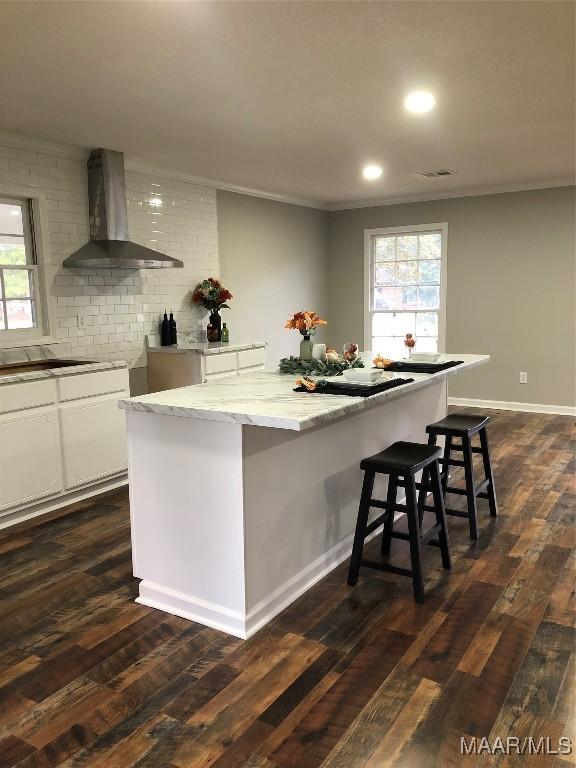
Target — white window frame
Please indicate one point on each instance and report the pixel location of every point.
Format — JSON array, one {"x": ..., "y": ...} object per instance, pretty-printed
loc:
[
  {"x": 369, "y": 234},
  {"x": 40, "y": 333}
]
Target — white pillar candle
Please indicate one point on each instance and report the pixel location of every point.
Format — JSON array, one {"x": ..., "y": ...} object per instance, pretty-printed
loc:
[{"x": 319, "y": 352}]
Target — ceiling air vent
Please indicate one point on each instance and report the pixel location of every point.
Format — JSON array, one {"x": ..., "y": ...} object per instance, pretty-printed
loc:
[{"x": 436, "y": 174}]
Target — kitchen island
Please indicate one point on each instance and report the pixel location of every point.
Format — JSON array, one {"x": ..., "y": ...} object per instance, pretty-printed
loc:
[{"x": 244, "y": 493}]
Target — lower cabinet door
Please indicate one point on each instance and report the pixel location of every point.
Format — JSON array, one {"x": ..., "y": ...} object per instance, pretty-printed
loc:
[
  {"x": 30, "y": 464},
  {"x": 93, "y": 439}
]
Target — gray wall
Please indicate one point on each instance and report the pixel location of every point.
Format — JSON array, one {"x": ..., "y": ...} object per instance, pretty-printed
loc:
[
  {"x": 510, "y": 290},
  {"x": 273, "y": 258}
]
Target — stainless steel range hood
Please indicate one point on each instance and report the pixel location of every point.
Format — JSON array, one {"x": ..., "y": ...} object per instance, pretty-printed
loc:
[{"x": 109, "y": 245}]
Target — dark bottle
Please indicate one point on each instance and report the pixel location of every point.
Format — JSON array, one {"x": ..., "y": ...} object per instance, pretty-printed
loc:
[
  {"x": 225, "y": 334},
  {"x": 165, "y": 331},
  {"x": 173, "y": 331}
]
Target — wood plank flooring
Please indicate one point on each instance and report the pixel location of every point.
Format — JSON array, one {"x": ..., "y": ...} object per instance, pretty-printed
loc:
[{"x": 343, "y": 678}]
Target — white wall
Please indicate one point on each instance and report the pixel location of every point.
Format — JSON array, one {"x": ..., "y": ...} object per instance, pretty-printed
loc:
[
  {"x": 510, "y": 290},
  {"x": 274, "y": 260},
  {"x": 101, "y": 312}
]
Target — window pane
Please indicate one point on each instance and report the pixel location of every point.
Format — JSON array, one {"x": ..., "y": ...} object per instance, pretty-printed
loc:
[
  {"x": 17, "y": 283},
  {"x": 386, "y": 298},
  {"x": 404, "y": 322},
  {"x": 429, "y": 272},
  {"x": 382, "y": 324},
  {"x": 11, "y": 219},
  {"x": 385, "y": 274},
  {"x": 385, "y": 248},
  {"x": 408, "y": 298},
  {"x": 20, "y": 314},
  {"x": 406, "y": 272},
  {"x": 429, "y": 298},
  {"x": 430, "y": 246},
  {"x": 426, "y": 324},
  {"x": 389, "y": 346},
  {"x": 12, "y": 250},
  {"x": 407, "y": 247},
  {"x": 393, "y": 323},
  {"x": 426, "y": 344}
]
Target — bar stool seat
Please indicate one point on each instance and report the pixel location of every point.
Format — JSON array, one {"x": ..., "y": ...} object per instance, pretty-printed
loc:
[
  {"x": 401, "y": 461},
  {"x": 456, "y": 423},
  {"x": 463, "y": 427},
  {"x": 411, "y": 457}
]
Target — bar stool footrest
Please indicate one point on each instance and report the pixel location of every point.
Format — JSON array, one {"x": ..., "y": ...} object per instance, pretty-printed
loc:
[
  {"x": 452, "y": 462},
  {"x": 457, "y": 513},
  {"x": 460, "y": 448},
  {"x": 388, "y": 567},
  {"x": 424, "y": 538},
  {"x": 389, "y": 506},
  {"x": 375, "y": 524}
]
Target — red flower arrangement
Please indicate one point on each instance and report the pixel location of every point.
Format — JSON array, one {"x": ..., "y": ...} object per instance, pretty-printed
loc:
[{"x": 211, "y": 294}]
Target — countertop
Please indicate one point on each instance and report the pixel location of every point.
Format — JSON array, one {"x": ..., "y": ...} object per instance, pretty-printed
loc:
[
  {"x": 208, "y": 348},
  {"x": 268, "y": 400},
  {"x": 22, "y": 355}
]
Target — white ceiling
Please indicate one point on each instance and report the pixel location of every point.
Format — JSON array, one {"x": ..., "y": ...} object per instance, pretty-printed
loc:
[{"x": 293, "y": 98}]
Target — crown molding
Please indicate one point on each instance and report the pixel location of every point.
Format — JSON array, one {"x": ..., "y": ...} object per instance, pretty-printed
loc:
[
  {"x": 39, "y": 145},
  {"x": 136, "y": 166},
  {"x": 496, "y": 189},
  {"x": 81, "y": 153}
]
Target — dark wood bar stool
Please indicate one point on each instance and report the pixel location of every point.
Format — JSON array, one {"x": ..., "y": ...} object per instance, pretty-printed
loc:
[
  {"x": 401, "y": 461},
  {"x": 462, "y": 427}
]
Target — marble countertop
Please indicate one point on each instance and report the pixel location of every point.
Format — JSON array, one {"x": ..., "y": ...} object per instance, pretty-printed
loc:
[
  {"x": 268, "y": 400},
  {"x": 41, "y": 353},
  {"x": 208, "y": 348}
]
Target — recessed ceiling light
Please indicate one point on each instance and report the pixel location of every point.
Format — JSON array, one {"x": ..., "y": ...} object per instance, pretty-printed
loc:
[
  {"x": 156, "y": 201},
  {"x": 372, "y": 172},
  {"x": 419, "y": 102}
]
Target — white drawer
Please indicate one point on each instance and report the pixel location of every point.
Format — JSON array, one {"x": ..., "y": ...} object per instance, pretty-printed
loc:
[
  {"x": 249, "y": 358},
  {"x": 220, "y": 363},
  {"x": 27, "y": 394},
  {"x": 90, "y": 384}
]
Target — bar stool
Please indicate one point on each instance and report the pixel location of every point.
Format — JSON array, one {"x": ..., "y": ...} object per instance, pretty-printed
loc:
[
  {"x": 462, "y": 427},
  {"x": 401, "y": 461}
]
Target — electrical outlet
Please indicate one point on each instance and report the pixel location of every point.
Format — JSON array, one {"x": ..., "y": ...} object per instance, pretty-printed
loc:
[{"x": 523, "y": 377}]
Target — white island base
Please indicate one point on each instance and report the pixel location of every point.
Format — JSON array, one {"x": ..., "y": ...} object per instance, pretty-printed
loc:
[{"x": 232, "y": 522}]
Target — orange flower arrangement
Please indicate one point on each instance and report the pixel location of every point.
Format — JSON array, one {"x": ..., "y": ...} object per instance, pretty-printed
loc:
[
  {"x": 305, "y": 322},
  {"x": 306, "y": 383}
]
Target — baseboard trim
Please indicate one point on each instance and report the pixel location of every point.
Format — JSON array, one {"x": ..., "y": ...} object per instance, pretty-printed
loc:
[
  {"x": 192, "y": 608},
  {"x": 233, "y": 622},
  {"x": 503, "y": 405},
  {"x": 8, "y": 519},
  {"x": 280, "y": 599}
]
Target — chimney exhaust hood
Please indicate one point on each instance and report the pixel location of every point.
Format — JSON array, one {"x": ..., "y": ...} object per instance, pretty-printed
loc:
[{"x": 109, "y": 246}]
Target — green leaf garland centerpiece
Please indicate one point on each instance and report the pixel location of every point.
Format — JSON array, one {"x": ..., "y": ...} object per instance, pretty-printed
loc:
[{"x": 332, "y": 366}]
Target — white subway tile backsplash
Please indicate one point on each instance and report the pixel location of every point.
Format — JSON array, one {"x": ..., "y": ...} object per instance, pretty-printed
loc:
[{"x": 107, "y": 312}]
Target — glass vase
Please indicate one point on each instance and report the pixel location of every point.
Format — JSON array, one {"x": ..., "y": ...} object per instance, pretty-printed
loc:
[
  {"x": 215, "y": 332},
  {"x": 306, "y": 349}
]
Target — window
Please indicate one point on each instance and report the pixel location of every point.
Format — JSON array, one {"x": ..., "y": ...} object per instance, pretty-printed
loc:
[
  {"x": 405, "y": 288},
  {"x": 20, "y": 312}
]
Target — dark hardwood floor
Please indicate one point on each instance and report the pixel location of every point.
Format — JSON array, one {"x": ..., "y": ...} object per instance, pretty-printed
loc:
[{"x": 344, "y": 678}]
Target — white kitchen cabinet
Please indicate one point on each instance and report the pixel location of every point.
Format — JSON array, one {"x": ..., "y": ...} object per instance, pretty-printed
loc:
[
  {"x": 93, "y": 440},
  {"x": 172, "y": 367},
  {"x": 30, "y": 463},
  {"x": 61, "y": 438}
]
